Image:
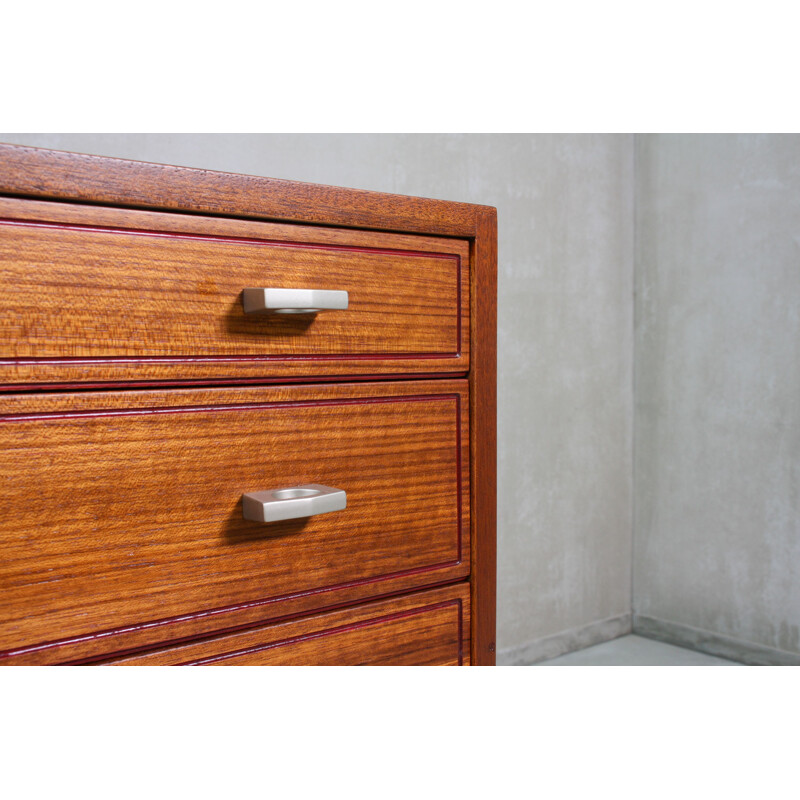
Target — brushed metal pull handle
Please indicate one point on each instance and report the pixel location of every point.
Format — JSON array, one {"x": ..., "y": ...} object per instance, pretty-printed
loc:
[
  {"x": 292, "y": 301},
  {"x": 307, "y": 500}
]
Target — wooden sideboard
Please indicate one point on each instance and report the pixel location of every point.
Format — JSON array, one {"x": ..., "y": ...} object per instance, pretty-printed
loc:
[{"x": 144, "y": 393}]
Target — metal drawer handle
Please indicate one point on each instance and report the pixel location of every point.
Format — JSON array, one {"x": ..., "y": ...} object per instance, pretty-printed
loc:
[
  {"x": 292, "y": 503},
  {"x": 292, "y": 301}
]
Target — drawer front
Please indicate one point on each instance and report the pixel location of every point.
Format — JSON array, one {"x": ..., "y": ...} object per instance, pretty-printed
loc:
[
  {"x": 124, "y": 510},
  {"x": 111, "y": 295},
  {"x": 425, "y": 629}
]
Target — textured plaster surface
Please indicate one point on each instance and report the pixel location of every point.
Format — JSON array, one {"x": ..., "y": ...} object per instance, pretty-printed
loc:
[
  {"x": 565, "y": 209},
  {"x": 717, "y": 432}
]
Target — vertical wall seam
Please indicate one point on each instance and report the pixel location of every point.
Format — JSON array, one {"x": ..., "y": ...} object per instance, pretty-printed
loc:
[{"x": 634, "y": 211}]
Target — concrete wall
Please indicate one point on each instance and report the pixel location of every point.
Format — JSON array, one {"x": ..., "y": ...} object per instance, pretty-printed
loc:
[
  {"x": 565, "y": 206},
  {"x": 717, "y": 432}
]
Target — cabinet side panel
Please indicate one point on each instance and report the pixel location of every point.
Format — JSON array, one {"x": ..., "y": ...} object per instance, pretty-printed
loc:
[{"x": 483, "y": 438}]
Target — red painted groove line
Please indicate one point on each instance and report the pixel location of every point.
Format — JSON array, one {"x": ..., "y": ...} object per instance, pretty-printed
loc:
[
  {"x": 192, "y": 638},
  {"x": 230, "y": 381},
  {"x": 219, "y": 237},
  {"x": 339, "y": 629},
  {"x": 459, "y": 473},
  {"x": 460, "y": 634},
  {"x": 162, "y": 410},
  {"x": 278, "y": 598},
  {"x": 77, "y": 360},
  {"x": 265, "y": 243}
]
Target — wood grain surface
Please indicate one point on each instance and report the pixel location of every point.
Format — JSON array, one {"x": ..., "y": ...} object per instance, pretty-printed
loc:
[
  {"x": 423, "y": 629},
  {"x": 123, "y": 512},
  {"x": 109, "y": 295},
  {"x": 34, "y": 172}
]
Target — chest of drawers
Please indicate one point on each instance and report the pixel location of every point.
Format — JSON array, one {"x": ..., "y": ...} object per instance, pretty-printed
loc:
[{"x": 178, "y": 348}]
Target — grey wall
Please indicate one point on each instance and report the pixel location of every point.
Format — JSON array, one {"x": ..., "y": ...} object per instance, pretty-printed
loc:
[
  {"x": 565, "y": 206},
  {"x": 717, "y": 530}
]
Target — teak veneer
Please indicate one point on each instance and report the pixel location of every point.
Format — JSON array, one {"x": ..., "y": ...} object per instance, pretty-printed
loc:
[{"x": 138, "y": 403}]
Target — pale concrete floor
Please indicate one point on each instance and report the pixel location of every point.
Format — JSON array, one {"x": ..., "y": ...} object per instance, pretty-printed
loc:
[{"x": 636, "y": 651}]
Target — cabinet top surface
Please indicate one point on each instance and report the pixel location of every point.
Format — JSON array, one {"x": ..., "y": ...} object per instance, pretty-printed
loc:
[{"x": 34, "y": 172}]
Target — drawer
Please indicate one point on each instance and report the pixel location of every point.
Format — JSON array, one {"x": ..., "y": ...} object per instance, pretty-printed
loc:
[
  {"x": 104, "y": 295},
  {"x": 123, "y": 516},
  {"x": 424, "y": 629}
]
